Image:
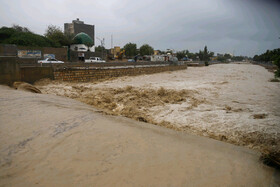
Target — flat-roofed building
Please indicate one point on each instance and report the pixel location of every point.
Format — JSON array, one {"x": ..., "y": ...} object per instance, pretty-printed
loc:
[{"x": 77, "y": 27}]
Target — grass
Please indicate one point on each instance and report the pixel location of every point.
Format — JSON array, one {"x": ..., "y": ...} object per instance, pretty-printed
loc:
[{"x": 274, "y": 80}]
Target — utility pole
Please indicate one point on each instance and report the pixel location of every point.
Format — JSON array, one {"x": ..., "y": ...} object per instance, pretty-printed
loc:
[
  {"x": 111, "y": 41},
  {"x": 102, "y": 41},
  {"x": 112, "y": 48}
]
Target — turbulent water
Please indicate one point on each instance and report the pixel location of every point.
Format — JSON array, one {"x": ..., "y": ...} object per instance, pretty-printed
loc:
[
  {"x": 235, "y": 103},
  {"x": 47, "y": 140}
]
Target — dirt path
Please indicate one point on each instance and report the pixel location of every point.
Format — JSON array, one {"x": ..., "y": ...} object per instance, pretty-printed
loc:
[
  {"x": 48, "y": 140},
  {"x": 235, "y": 103}
]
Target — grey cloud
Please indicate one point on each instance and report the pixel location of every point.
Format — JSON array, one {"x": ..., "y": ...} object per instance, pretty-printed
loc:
[{"x": 246, "y": 27}]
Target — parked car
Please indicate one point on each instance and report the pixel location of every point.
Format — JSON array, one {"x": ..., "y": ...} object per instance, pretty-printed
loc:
[
  {"x": 50, "y": 60},
  {"x": 94, "y": 59},
  {"x": 185, "y": 59},
  {"x": 130, "y": 60}
]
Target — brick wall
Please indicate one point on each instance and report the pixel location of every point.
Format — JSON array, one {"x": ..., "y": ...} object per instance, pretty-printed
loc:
[{"x": 84, "y": 75}]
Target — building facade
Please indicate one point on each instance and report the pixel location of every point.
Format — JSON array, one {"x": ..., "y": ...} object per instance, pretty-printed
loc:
[
  {"x": 78, "y": 26},
  {"x": 82, "y": 42},
  {"x": 115, "y": 51}
]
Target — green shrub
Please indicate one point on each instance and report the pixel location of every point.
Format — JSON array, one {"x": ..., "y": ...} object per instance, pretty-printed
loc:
[
  {"x": 277, "y": 63},
  {"x": 274, "y": 80},
  {"x": 24, "y": 38}
]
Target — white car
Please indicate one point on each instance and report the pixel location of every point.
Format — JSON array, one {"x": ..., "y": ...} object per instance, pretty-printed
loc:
[
  {"x": 94, "y": 59},
  {"x": 50, "y": 60}
]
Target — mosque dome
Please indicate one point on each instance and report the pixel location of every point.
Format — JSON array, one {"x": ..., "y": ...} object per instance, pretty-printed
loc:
[{"x": 83, "y": 38}]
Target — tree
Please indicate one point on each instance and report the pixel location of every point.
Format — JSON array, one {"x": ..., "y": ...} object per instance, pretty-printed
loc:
[
  {"x": 221, "y": 58},
  {"x": 182, "y": 54},
  {"x": 6, "y": 33},
  {"x": 99, "y": 49},
  {"x": 55, "y": 34},
  {"x": 211, "y": 54},
  {"x": 238, "y": 58},
  {"x": 227, "y": 56},
  {"x": 269, "y": 55},
  {"x": 200, "y": 55},
  {"x": 146, "y": 50},
  {"x": 224, "y": 58},
  {"x": 277, "y": 63},
  {"x": 191, "y": 55},
  {"x": 20, "y": 29},
  {"x": 130, "y": 49},
  {"x": 256, "y": 58},
  {"x": 205, "y": 54},
  {"x": 22, "y": 36},
  {"x": 69, "y": 38}
]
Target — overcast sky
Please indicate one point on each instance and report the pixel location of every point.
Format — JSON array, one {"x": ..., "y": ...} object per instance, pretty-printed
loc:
[{"x": 242, "y": 27}]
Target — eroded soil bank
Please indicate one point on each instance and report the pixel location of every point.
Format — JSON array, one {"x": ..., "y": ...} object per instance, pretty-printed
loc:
[{"x": 235, "y": 103}]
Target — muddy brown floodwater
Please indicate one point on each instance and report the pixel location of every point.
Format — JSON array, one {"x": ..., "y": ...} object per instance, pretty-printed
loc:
[
  {"x": 47, "y": 140},
  {"x": 235, "y": 103}
]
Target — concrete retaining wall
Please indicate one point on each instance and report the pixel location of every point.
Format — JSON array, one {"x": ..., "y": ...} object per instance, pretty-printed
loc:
[
  {"x": 9, "y": 72},
  {"x": 85, "y": 75},
  {"x": 32, "y": 74},
  {"x": 10, "y": 50},
  {"x": 60, "y": 53}
]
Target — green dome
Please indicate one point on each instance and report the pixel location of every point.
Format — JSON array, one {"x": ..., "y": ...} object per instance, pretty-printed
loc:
[{"x": 83, "y": 38}]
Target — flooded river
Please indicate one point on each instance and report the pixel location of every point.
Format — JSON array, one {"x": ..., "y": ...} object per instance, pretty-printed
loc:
[
  {"x": 235, "y": 103},
  {"x": 47, "y": 140}
]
